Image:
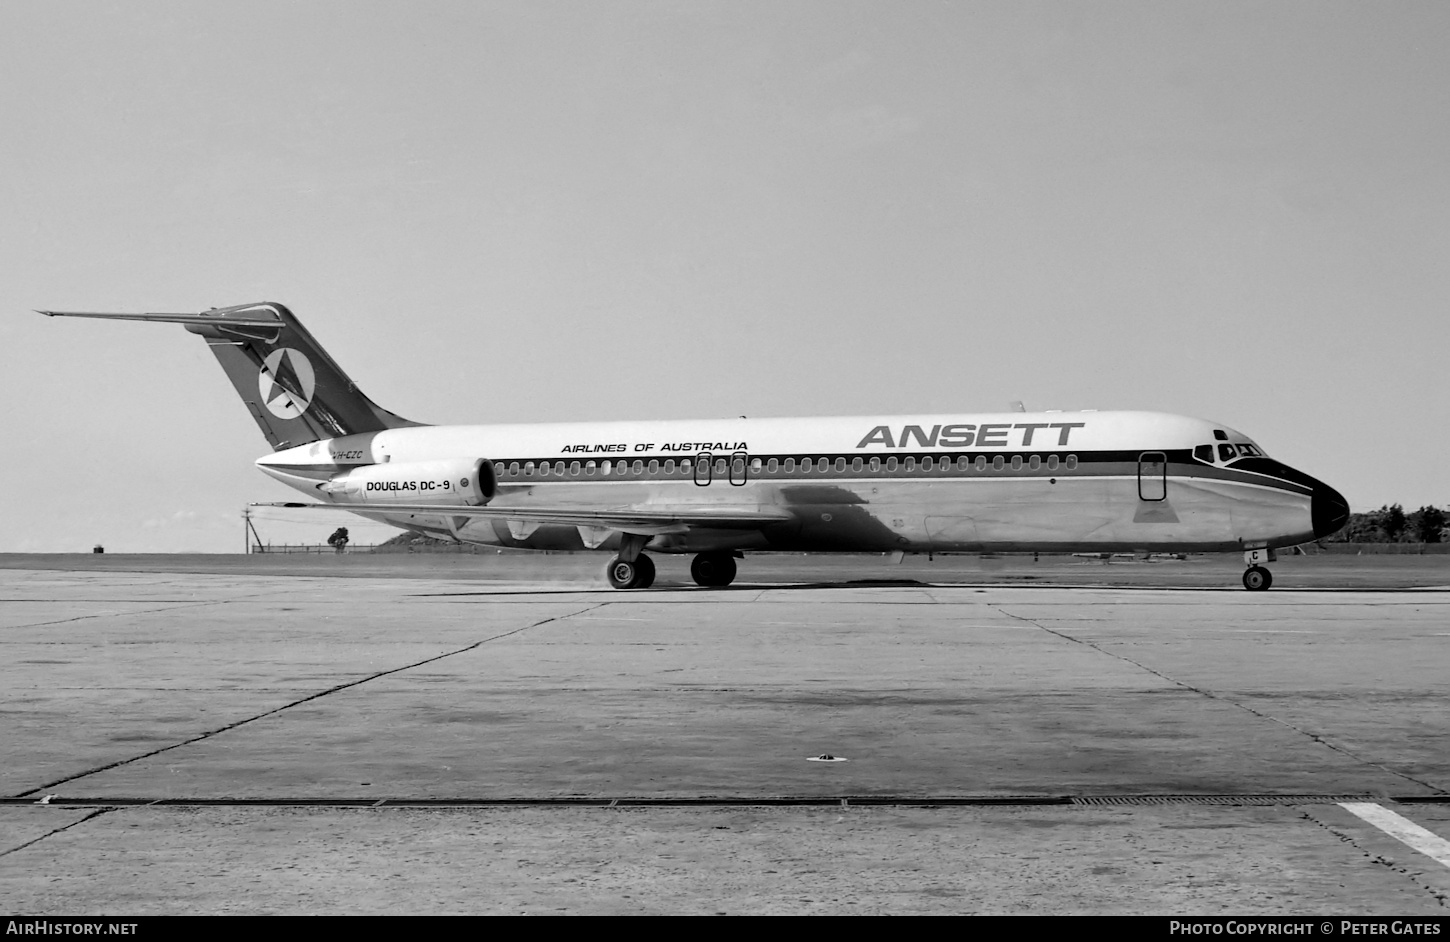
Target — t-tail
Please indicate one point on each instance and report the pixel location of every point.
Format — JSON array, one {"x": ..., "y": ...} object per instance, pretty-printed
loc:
[{"x": 296, "y": 392}]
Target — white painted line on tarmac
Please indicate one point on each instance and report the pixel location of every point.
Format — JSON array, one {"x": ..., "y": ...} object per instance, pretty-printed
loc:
[{"x": 1401, "y": 829}]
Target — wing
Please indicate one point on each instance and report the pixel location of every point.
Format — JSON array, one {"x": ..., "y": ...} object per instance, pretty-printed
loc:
[{"x": 626, "y": 520}]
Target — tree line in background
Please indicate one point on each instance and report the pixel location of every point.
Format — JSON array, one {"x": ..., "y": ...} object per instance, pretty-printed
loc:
[{"x": 1392, "y": 525}]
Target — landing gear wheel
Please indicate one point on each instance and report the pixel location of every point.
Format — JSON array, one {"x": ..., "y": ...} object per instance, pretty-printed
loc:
[
  {"x": 646, "y": 572},
  {"x": 713, "y": 569},
  {"x": 622, "y": 575},
  {"x": 639, "y": 574},
  {"x": 1257, "y": 578}
]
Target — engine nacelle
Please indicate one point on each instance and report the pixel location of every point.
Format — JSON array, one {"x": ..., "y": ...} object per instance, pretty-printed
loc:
[{"x": 468, "y": 481}]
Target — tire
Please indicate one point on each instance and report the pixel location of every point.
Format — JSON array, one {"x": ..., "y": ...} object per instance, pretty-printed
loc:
[
  {"x": 713, "y": 570},
  {"x": 1257, "y": 579},
  {"x": 622, "y": 575},
  {"x": 646, "y": 572}
]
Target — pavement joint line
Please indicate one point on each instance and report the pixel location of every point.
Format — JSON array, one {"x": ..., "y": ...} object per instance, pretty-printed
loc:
[
  {"x": 1376, "y": 858},
  {"x": 94, "y": 814},
  {"x": 307, "y": 699},
  {"x": 1313, "y": 737},
  {"x": 139, "y": 611},
  {"x": 1401, "y": 829},
  {"x": 686, "y": 801}
]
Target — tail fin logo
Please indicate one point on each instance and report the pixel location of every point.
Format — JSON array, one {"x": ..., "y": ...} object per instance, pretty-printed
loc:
[{"x": 286, "y": 381}]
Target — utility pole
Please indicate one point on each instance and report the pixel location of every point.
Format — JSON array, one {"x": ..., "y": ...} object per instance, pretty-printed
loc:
[{"x": 249, "y": 532}]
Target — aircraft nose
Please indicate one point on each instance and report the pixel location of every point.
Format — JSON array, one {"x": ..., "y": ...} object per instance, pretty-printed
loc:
[{"x": 1328, "y": 510}]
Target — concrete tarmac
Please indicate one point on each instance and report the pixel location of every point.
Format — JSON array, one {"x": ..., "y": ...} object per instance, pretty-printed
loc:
[{"x": 376, "y": 736}]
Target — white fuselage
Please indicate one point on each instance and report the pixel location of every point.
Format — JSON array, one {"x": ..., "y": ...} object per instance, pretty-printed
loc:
[{"x": 1055, "y": 481}]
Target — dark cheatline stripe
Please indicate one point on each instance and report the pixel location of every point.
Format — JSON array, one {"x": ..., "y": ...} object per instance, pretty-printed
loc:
[{"x": 1261, "y": 471}]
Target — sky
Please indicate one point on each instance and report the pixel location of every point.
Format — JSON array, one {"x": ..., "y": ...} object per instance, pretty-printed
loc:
[{"x": 550, "y": 211}]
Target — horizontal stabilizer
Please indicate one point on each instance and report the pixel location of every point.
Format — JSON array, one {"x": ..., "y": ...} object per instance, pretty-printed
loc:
[
  {"x": 293, "y": 389},
  {"x": 208, "y": 319}
]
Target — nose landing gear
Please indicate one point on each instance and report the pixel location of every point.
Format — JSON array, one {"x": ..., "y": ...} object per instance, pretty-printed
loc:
[{"x": 1256, "y": 577}]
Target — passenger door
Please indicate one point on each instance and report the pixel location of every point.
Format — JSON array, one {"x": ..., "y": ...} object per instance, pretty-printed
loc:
[{"x": 1152, "y": 476}]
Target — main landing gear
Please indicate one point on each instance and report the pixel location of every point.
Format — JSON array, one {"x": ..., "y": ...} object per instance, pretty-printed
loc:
[
  {"x": 638, "y": 574},
  {"x": 631, "y": 569},
  {"x": 1256, "y": 577}
]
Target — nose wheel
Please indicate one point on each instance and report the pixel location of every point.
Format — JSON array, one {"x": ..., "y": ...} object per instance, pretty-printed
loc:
[{"x": 1257, "y": 578}]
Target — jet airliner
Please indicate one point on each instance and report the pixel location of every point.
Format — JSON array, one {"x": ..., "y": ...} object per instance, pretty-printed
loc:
[{"x": 1056, "y": 482}]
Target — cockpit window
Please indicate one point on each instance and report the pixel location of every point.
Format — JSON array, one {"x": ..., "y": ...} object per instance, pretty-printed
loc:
[
  {"x": 1204, "y": 453},
  {"x": 1249, "y": 451},
  {"x": 1226, "y": 452}
]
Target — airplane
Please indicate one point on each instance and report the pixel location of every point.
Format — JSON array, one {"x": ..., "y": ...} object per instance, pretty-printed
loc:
[{"x": 1050, "y": 482}]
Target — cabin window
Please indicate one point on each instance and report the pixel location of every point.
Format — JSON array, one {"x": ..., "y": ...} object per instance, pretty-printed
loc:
[
  {"x": 1016, "y": 462},
  {"x": 805, "y": 466},
  {"x": 981, "y": 462},
  {"x": 654, "y": 466},
  {"x": 755, "y": 465},
  {"x": 875, "y": 464},
  {"x": 840, "y": 464},
  {"x": 962, "y": 463},
  {"x": 1035, "y": 463},
  {"x": 823, "y": 465},
  {"x": 719, "y": 465},
  {"x": 891, "y": 463},
  {"x": 773, "y": 465},
  {"x": 528, "y": 467},
  {"x": 588, "y": 467},
  {"x": 789, "y": 465},
  {"x": 1226, "y": 453},
  {"x": 909, "y": 464},
  {"x": 927, "y": 463},
  {"x": 1052, "y": 462},
  {"x": 638, "y": 467},
  {"x": 857, "y": 464},
  {"x": 1071, "y": 462},
  {"x": 998, "y": 462}
]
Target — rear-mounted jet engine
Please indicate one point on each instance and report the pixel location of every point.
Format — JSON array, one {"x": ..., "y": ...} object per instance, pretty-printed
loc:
[{"x": 469, "y": 482}]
